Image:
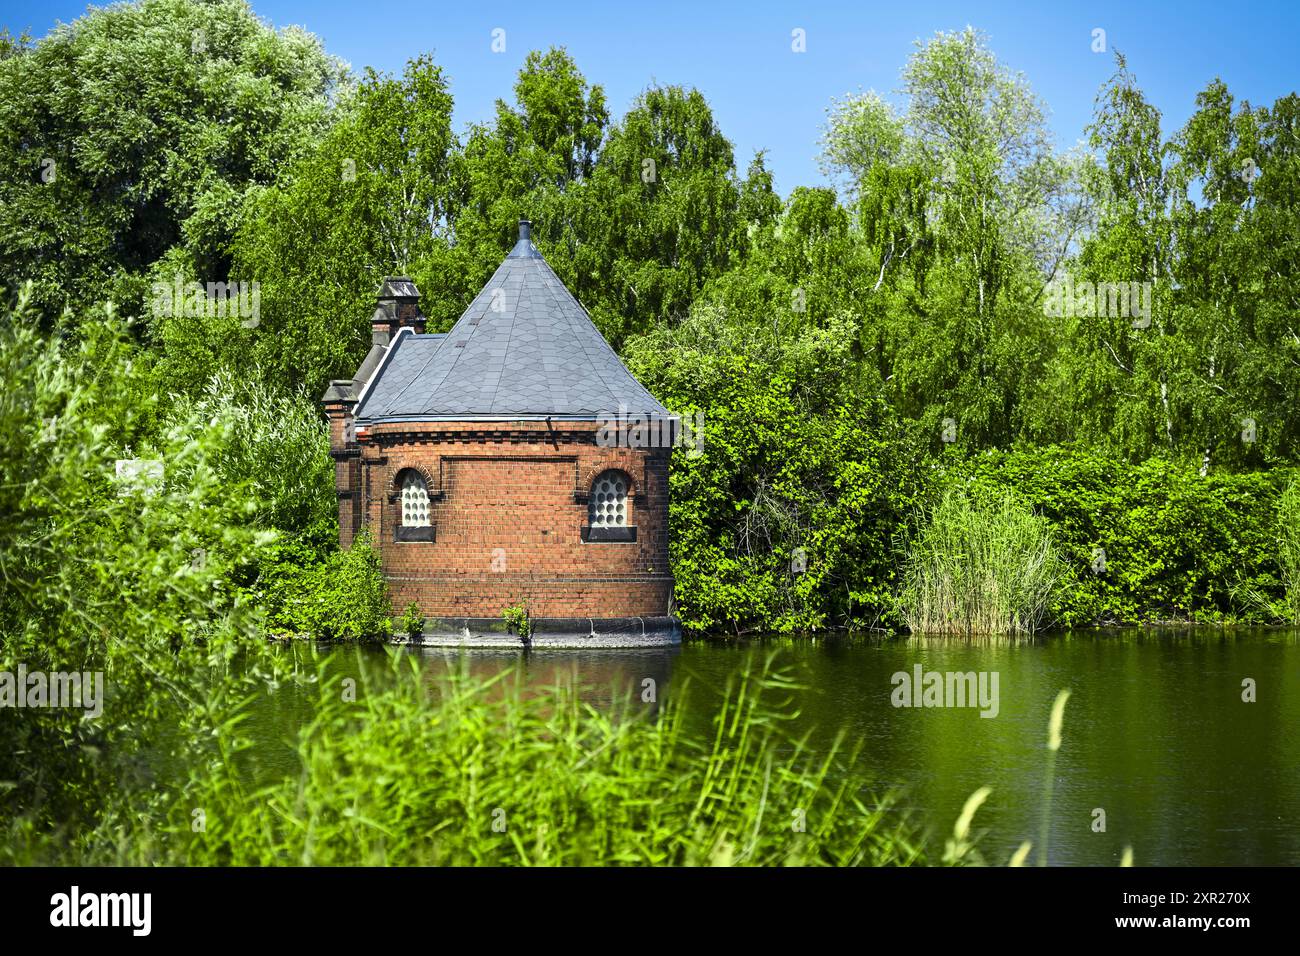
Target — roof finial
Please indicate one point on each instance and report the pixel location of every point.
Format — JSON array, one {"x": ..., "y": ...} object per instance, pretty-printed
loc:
[{"x": 524, "y": 248}]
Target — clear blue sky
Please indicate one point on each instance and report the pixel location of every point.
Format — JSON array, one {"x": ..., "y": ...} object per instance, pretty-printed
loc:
[{"x": 766, "y": 96}]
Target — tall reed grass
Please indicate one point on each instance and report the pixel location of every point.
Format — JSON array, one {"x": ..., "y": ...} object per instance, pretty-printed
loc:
[
  {"x": 1288, "y": 549},
  {"x": 465, "y": 770},
  {"x": 982, "y": 563}
]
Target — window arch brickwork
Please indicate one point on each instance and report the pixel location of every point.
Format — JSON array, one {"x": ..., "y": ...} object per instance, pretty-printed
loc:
[{"x": 413, "y": 505}]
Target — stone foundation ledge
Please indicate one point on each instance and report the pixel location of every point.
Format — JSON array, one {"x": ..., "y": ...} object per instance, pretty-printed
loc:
[{"x": 572, "y": 632}]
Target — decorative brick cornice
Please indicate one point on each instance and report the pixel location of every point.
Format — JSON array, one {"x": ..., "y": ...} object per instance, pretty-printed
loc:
[{"x": 551, "y": 433}]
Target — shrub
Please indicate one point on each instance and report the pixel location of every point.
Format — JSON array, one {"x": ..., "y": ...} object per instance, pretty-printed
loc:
[
  {"x": 278, "y": 445},
  {"x": 344, "y": 596},
  {"x": 517, "y": 620},
  {"x": 411, "y": 622},
  {"x": 798, "y": 462},
  {"x": 1288, "y": 549},
  {"x": 1150, "y": 541},
  {"x": 102, "y": 576},
  {"x": 983, "y": 563}
]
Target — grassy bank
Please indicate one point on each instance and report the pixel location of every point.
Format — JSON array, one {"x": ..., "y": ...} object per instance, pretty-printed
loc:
[{"x": 398, "y": 769}]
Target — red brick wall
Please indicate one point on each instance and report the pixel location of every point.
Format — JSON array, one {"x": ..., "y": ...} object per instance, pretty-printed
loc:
[{"x": 508, "y": 528}]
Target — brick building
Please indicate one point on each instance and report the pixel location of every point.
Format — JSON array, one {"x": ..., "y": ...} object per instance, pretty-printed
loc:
[{"x": 511, "y": 461}]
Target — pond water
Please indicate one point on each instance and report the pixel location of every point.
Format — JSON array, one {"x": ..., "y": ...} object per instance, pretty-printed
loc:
[{"x": 1156, "y": 732}]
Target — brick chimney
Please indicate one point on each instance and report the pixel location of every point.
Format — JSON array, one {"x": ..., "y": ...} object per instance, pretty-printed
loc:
[{"x": 397, "y": 306}]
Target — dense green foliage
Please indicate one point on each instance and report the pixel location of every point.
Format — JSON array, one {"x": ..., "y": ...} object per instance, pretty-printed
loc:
[
  {"x": 341, "y": 597},
  {"x": 131, "y": 579},
  {"x": 278, "y": 447},
  {"x": 1288, "y": 550},
  {"x": 1153, "y": 541},
  {"x": 783, "y": 518}
]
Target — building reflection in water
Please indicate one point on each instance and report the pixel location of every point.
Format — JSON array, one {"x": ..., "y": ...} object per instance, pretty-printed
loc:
[{"x": 598, "y": 676}]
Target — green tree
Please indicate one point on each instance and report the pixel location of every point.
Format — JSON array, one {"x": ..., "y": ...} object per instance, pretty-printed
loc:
[
  {"x": 961, "y": 206},
  {"x": 660, "y": 215},
  {"x": 139, "y": 130},
  {"x": 527, "y": 161},
  {"x": 1202, "y": 378},
  {"x": 375, "y": 196},
  {"x": 635, "y": 217}
]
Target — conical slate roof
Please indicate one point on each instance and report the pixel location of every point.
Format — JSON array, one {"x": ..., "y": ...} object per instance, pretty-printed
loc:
[{"x": 523, "y": 349}]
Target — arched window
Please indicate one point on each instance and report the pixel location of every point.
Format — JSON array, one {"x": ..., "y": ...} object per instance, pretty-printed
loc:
[
  {"x": 607, "y": 506},
  {"x": 415, "y": 500}
]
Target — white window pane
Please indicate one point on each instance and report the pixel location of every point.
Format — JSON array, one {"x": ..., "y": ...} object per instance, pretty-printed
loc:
[
  {"x": 607, "y": 507},
  {"x": 415, "y": 501}
]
